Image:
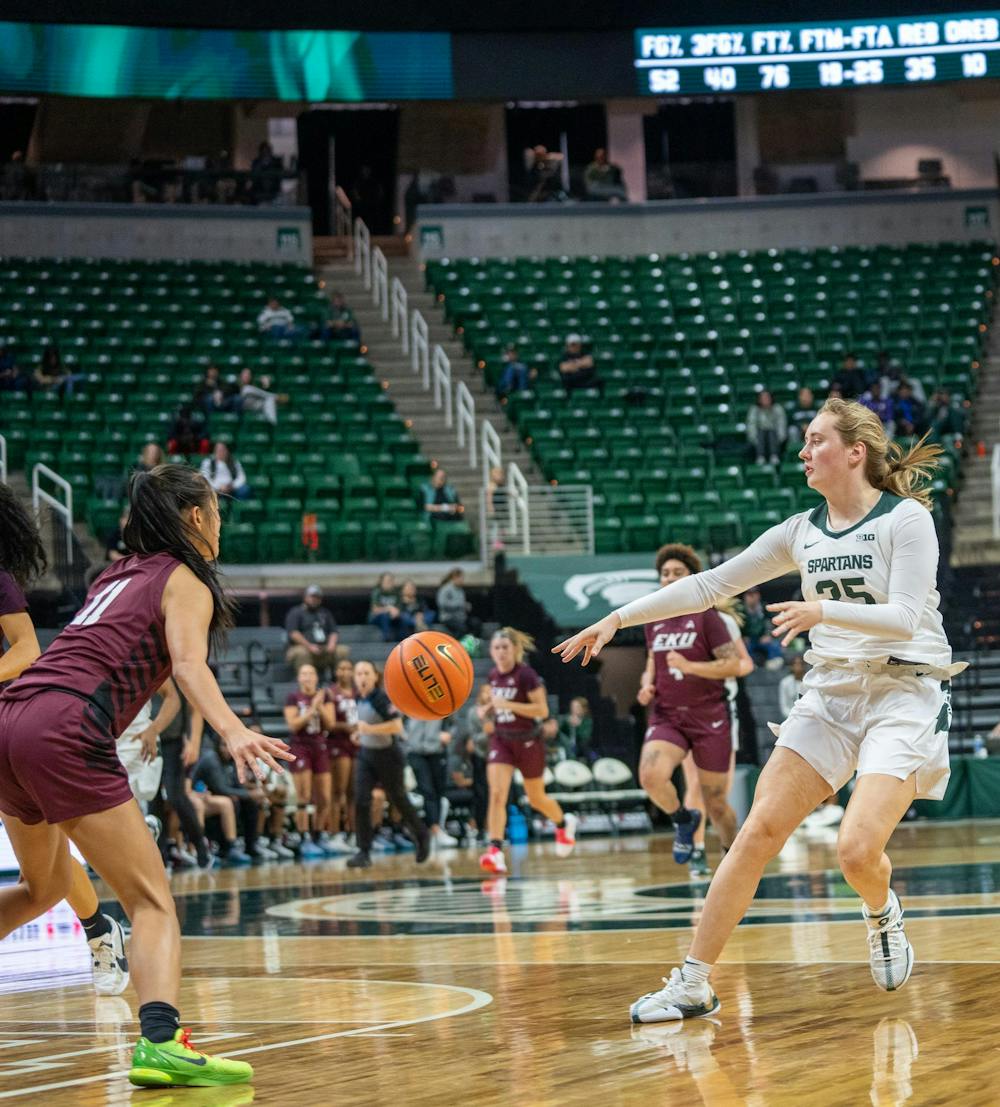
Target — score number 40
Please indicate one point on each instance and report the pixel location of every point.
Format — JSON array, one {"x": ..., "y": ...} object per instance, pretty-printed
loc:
[{"x": 722, "y": 78}]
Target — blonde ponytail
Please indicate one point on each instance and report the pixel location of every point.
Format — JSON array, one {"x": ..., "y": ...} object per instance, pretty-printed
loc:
[
  {"x": 522, "y": 643},
  {"x": 729, "y": 605},
  {"x": 887, "y": 466}
]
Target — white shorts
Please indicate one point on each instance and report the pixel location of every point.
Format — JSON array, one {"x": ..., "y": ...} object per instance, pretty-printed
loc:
[
  {"x": 872, "y": 722},
  {"x": 143, "y": 776}
]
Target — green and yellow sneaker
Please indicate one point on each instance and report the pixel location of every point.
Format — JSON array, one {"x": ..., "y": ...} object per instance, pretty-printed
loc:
[{"x": 178, "y": 1064}]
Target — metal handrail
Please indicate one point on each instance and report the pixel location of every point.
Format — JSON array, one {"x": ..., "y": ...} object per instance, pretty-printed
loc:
[
  {"x": 400, "y": 311},
  {"x": 40, "y": 496},
  {"x": 465, "y": 407},
  {"x": 492, "y": 449},
  {"x": 420, "y": 356},
  {"x": 363, "y": 252},
  {"x": 441, "y": 373},
  {"x": 3, "y": 459},
  {"x": 380, "y": 282},
  {"x": 995, "y": 474}
]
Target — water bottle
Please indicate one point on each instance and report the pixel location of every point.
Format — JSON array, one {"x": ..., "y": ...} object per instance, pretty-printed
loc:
[
  {"x": 517, "y": 826},
  {"x": 979, "y": 749}
]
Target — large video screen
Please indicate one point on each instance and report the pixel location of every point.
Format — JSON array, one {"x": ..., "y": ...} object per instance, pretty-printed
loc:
[
  {"x": 314, "y": 66},
  {"x": 860, "y": 53}
]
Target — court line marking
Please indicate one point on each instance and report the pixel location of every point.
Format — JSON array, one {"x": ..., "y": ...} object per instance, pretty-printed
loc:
[{"x": 479, "y": 999}]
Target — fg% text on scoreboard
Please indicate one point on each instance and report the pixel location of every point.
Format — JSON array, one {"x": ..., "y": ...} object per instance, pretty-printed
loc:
[{"x": 692, "y": 61}]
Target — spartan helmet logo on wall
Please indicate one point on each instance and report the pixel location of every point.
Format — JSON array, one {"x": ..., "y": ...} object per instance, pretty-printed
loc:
[{"x": 614, "y": 587}]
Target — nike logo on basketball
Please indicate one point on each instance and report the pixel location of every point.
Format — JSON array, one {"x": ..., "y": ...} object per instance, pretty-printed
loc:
[{"x": 445, "y": 651}]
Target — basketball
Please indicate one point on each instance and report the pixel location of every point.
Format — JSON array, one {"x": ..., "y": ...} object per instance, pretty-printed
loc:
[{"x": 428, "y": 675}]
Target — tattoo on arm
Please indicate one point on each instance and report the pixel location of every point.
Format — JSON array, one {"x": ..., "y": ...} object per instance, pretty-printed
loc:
[{"x": 726, "y": 651}]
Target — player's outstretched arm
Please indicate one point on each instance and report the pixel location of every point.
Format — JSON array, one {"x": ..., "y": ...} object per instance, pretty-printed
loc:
[{"x": 187, "y": 607}]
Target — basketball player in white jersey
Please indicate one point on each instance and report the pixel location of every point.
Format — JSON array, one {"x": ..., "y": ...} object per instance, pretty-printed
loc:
[{"x": 876, "y": 699}]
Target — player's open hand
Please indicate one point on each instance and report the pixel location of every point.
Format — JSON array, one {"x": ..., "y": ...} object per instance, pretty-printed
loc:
[
  {"x": 248, "y": 749},
  {"x": 591, "y": 640},
  {"x": 795, "y": 617}
]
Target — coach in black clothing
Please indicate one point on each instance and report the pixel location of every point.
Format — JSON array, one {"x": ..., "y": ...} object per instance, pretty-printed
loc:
[{"x": 312, "y": 634}]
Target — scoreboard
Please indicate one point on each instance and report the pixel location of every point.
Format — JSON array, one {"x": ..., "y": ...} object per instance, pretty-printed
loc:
[{"x": 755, "y": 58}]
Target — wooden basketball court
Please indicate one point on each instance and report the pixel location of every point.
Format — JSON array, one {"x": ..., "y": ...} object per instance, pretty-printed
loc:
[{"x": 431, "y": 986}]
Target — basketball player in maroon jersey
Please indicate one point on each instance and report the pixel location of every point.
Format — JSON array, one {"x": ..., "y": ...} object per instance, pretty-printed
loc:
[
  {"x": 343, "y": 746},
  {"x": 689, "y": 658},
  {"x": 309, "y": 713},
  {"x": 518, "y": 705},
  {"x": 147, "y": 616},
  {"x": 22, "y": 559}
]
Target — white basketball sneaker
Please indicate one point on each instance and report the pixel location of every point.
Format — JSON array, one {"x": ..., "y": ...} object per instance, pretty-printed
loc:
[
  {"x": 676, "y": 1000},
  {"x": 889, "y": 952},
  {"x": 109, "y": 962}
]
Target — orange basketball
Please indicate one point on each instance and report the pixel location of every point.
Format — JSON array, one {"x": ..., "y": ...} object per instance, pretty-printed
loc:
[{"x": 429, "y": 675}]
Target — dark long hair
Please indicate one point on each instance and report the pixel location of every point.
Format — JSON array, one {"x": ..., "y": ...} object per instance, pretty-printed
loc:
[
  {"x": 155, "y": 525},
  {"x": 21, "y": 551}
]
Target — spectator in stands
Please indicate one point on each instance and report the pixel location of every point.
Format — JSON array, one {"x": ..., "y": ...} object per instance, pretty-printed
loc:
[
  {"x": 790, "y": 686},
  {"x": 313, "y": 637},
  {"x": 384, "y": 610},
  {"x": 945, "y": 416},
  {"x": 213, "y": 394},
  {"x": 543, "y": 181},
  {"x": 603, "y": 180},
  {"x": 216, "y": 770},
  {"x": 265, "y": 175},
  {"x": 576, "y": 367},
  {"x": 909, "y": 411},
  {"x": 576, "y": 730},
  {"x": 427, "y": 752},
  {"x": 260, "y": 398},
  {"x": 339, "y": 324},
  {"x": 150, "y": 456},
  {"x": 413, "y": 614},
  {"x": 441, "y": 501},
  {"x": 516, "y": 375},
  {"x": 225, "y": 474},
  {"x": 767, "y": 428},
  {"x": 882, "y": 405},
  {"x": 276, "y": 322},
  {"x": 805, "y": 411},
  {"x": 891, "y": 375},
  {"x": 453, "y": 607},
  {"x": 50, "y": 372},
  {"x": 851, "y": 379},
  {"x": 12, "y": 377},
  {"x": 187, "y": 435},
  {"x": 756, "y": 632}
]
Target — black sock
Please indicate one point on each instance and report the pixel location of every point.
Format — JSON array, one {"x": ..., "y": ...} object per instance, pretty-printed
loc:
[
  {"x": 96, "y": 926},
  {"x": 203, "y": 852},
  {"x": 681, "y": 817},
  {"x": 497, "y": 843},
  {"x": 159, "y": 1022}
]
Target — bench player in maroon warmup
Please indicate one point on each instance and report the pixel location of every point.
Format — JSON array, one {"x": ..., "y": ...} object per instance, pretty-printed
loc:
[
  {"x": 146, "y": 616},
  {"x": 689, "y": 658}
]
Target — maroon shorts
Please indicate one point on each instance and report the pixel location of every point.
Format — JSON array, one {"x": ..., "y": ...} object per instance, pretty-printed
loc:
[
  {"x": 341, "y": 747},
  {"x": 704, "y": 730},
  {"x": 58, "y": 759},
  {"x": 311, "y": 754},
  {"x": 526, "y": 755}
]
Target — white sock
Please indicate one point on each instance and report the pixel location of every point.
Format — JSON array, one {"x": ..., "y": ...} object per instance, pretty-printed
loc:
[
  {"x": 694, "y": 971},
  {"x": 873, "y": 913}
]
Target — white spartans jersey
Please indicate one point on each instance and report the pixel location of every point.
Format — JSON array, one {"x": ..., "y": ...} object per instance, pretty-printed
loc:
[{"x": 875, "y": 580}]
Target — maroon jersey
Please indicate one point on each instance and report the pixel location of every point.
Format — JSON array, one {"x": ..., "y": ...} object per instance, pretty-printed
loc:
[
  {"x": 345, "y": 705},
  {"x": 301, "y": 702},
  {"x": 696, "y": 637},
  {"x": 12, "y": 601},
  {"x": 114, "y": 652},
  {"x": 515, "y": 685}
]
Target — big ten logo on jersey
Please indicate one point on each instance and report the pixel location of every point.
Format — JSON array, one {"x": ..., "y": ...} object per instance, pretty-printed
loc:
[
  {"x": 867, "y": 536},
  {"x": 507, "y": 693},
  {"x": 431, "y": 684}
]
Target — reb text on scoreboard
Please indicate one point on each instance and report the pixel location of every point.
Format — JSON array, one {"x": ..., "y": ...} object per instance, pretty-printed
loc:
[{"x": 817, "y": 55}]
